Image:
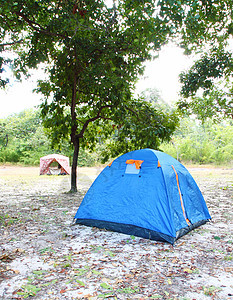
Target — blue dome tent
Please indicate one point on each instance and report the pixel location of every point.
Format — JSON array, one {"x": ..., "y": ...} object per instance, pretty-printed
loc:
[{"x": 145, "y": 193}]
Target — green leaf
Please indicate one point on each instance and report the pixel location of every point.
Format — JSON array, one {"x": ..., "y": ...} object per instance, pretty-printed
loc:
[
  {"x": 110, "y": 253},
  {"x": 106, "y": 286},
  {"x": 80, "y": 282},
  {"x": 50, "y": 282},
  {"x": 96, "y": 272},
  {"x": 39, "y": 272},
  {"x": 107, "y": 295},
  {"x": 128, "y": 290},
  {"x": 81, "y": 272}
]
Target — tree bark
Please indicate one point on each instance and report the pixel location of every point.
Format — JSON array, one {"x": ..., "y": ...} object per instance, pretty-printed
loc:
[
  {"x": 74, "y": 139},
  {"x": 74, "y": 166}
]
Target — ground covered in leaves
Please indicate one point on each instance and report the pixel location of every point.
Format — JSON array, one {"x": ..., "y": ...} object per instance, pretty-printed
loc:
[{"x": 43, "y": 257}]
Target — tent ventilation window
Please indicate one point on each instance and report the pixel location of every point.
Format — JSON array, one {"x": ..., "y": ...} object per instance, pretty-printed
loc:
[{"x": 133, "y": 166}]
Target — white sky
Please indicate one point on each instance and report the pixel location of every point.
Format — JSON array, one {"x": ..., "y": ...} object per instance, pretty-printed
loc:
[{"x": 162, "y": 74}]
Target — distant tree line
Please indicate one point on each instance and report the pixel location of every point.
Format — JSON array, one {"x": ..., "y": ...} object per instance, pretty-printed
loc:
[
  {"x": 202, "y": 143},
  {"x": 23, "y": 139}
]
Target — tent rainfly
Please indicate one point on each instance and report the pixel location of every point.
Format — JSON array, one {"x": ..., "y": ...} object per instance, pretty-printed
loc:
[
  {"x": 63, "y": 165},
  {"x": 144, "y": 193}
]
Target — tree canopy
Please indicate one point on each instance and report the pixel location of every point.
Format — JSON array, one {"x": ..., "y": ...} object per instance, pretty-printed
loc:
[
  {"x": 93, "y": 52},
  {"x": 207, "y": 87}
]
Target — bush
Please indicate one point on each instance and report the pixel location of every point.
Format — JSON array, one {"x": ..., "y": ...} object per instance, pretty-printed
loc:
[
  {"x": 9, "y": 155},
  {"x": 201, "y": 144}
]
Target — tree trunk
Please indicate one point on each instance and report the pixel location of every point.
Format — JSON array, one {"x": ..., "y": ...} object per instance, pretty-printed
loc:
[
  {"x": 74, "y": 166},
  {"x": 74, "y": 138}
]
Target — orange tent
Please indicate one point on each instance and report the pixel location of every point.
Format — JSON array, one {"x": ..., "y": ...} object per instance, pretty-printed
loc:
[{"x": 63, "y": 165}]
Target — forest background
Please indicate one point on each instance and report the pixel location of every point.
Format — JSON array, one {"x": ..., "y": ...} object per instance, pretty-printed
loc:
[{"x": 23, "y": 140}]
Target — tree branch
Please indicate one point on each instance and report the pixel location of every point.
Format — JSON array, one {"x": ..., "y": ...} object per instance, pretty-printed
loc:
[
  {"x": 105, "y": 118},
  {"x": 134, "y": 112},
  {"x": 11, "y": 44},
  {"x": 98, "y": 116},
  {"x": 36, "y": 26},
  {"x": 31, "y": 23}
]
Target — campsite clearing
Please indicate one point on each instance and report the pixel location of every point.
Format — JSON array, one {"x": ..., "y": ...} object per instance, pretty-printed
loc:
[{"x": 42, "y": 256}]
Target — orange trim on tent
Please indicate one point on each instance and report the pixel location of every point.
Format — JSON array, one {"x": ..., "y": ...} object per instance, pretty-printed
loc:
[
  {"x": 110, "y": 163},
  {"x": 159, "y": 165},
  {"x": 181, "y": 199},
  {"x": 136, "y": 162}
]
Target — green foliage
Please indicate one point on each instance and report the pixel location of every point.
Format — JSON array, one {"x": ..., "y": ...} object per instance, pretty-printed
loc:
[
  {"x": 211, "y": 290},
  {"x": 199, "y": 23},
  {"x": 202, "y": 143},
  {"x": 6, "y": 220},
  {"x": 128, "y": 290},
  {"x": 88, "y": 159},
  {"x": 140, "y": 125},
  {"x": 192, "y": 142},
  {"x": 26, "y": 139},
  {"x": 106, "y": 286},
  {"x": 3, "y": 135},
  {"x": 207, "y": 87},
  {"x": 9, "y": 155},
  {"x": 96, "y": 53},
  {"x": 28, "y": 290},
  {"x": 153, "y": 96},
  {"x": 205, "y": 70},
  {"x": 3, "y": 62},
  {"x": 80, "y": 282},
  {"x": 216, "y": 105}
]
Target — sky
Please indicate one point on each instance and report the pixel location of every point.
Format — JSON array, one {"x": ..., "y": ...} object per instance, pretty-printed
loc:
[
  {"x": 162, "y": 74},
  {"x": 18, "y": 96}
]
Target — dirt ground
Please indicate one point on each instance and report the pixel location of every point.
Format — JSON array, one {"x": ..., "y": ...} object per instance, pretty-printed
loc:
[{"x": 43, "y": 256}]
